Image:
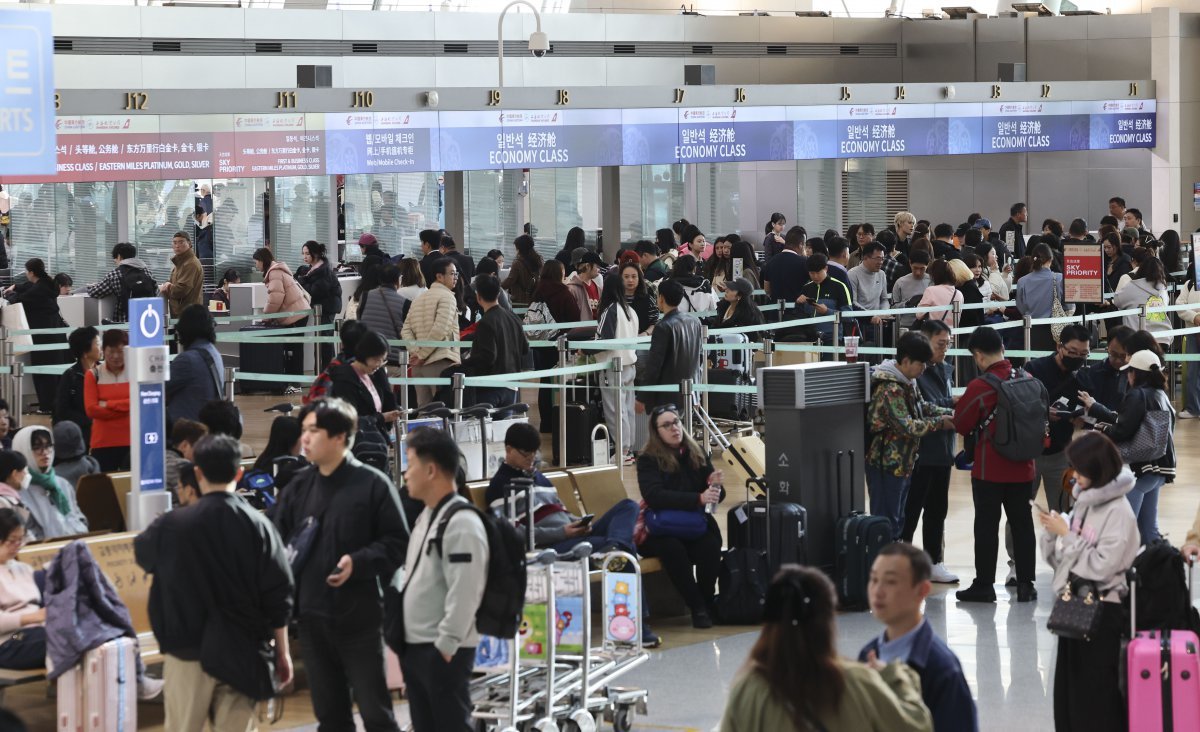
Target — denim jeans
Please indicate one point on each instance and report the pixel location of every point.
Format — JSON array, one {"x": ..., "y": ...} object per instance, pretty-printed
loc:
[
  {"x": 888, "y": 494},
  {"x": 1144, "y": 500},
  {"x": 611, "y": 532},
  {"x": 1192, "y": 396}
]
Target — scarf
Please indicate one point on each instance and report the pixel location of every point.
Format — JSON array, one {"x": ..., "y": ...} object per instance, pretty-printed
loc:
[{"x": 49, "y": 482}]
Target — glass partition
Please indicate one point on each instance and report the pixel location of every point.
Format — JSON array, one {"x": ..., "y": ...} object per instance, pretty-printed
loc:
[
  {"x": 394, "y": 207},
  {"x": 491, "y": 216},
  {"x": 652, "y": 197},
  {"x": 70, "y": 226}
]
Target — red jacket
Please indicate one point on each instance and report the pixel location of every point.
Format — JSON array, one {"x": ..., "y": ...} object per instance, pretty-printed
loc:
[{"x": 975, "y": 405}]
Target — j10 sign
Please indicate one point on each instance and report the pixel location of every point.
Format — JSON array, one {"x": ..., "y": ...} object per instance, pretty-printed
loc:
[{"x": 138, "y": 147}]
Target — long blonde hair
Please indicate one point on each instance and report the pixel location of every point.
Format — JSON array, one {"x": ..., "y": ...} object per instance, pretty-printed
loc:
[{"x": 667, "y": 457}]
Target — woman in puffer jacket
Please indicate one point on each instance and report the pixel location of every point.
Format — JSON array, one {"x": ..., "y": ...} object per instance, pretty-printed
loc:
[
  {"x": 1147, "y": 393},
  {"x": 1091, "y": 549},
  {"x": 284, "y": 293}
]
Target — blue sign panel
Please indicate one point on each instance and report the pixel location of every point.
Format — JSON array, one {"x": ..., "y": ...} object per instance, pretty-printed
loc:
[
  {"x": 150, "y": 452},
  {"x": 514, "y": 139},
  {"x": 732, "y": 135},
  {"x": 881, "y": 130},
  {"x": 147, "y": 322},
  {"x": 814, "y": 132},
  {"x": 27, "y": 93},
  {"x": 1032, "y": 127},
  {"x": 1120, "y": 123},
  {"x": 380, "y": 142},
  {"x": 648, "y": 136}
]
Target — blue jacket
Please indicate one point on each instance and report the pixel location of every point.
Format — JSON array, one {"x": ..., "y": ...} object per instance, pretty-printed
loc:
[
  {"x": 193, "y": 382},
  {"x": 943, "y": 686}
]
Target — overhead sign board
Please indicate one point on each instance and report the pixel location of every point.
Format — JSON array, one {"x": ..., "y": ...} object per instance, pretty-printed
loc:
[{"x": 27, "y": 138}]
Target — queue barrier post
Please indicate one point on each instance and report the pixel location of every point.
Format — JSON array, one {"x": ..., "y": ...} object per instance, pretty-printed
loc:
[
  {"x": 230, "y": 378},
  {"x": 704, "y": 380},
  {"x": 18, "y": 387},
  {"x": 317, "y": 365},
  {"x": 1142, "y": 316},
  {"x": 402, "y": 361},
  {"x": 562, "y": 401},
  {"x": 6, "y": 358},
  {"x": 685, "y": 409},
  {"x": 1026, "y": 327},
  {"x": 619, "y": 439},
  {"x": 782, "y": 305},
  {"x": 457, "y": 385},
  {"x": 398, "y": 441},
  {"x": 768, "y": 351},
  {"x": 956, "y": 319},
  {"x": 837, "y": 331}
]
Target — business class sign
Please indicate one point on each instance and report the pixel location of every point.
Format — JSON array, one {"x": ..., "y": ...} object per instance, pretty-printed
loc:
[{"x": 139, "y": 147}]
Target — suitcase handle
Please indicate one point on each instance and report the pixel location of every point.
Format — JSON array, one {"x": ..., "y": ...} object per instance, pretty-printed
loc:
[{"x": 837, "y": 489}]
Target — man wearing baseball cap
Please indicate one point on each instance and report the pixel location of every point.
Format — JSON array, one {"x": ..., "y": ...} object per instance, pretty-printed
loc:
[
  {"x": 585, "y": 283},
  {"x": 1145, "y": 408}
]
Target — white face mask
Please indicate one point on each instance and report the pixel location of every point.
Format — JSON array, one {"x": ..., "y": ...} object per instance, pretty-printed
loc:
[{"x": 26, "y": 479}]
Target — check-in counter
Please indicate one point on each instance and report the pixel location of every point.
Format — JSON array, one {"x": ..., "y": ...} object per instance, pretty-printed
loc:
[
  {"x": 81, "y": 310},
  {"x": 349, "y": 285},
  {"x": 249, "y": 299}
]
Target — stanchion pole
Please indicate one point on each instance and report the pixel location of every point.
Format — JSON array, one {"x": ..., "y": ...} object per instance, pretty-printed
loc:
[
  {"x": 402, "y": 359},
  {"x": 782, "y": 305},
  {"x": 837, "y": 332},
  {"x": 685, "y": 409},
  {"x": 768, "y": 352},
  {"x": 955, "y": 318},
  {"x": 6, "y": 359},
  {"x": 230, "y": 378},
  {"x": 562, "y": 403},
  {"x": 1028, "y": 336},
  {"x": 1142, "y": 317},
  {"x": 16, "y": 406},
  {"x": 619, "y": 439},
  {"x": 317, "y": 366},
  {"x": 704, "y": 380},
  {"x": 457, "y": 384}
]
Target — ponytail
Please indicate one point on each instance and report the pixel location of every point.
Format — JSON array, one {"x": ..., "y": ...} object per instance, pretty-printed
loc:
[{"x": 775, "y": 219}]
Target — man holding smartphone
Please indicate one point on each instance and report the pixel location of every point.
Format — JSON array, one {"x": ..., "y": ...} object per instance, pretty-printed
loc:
[{"x": 360, "y": 541}]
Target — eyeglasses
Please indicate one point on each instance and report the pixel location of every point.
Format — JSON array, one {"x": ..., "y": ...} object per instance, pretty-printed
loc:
[
  {"x": 42, "y": 448},
  {"x": 452, "y": 273},
  {"x": 18, "y": 541},
  {"x": 669, "y": 425},
  {"x": 1076, "y": 354}
]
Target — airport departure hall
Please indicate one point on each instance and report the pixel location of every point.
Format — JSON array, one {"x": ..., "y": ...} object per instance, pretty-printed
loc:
[{"x": 488, "y": 366}]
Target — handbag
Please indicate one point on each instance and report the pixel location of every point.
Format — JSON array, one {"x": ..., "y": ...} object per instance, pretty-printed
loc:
[
  {"x": 675, "y": 523},
  {"x": 1151, "y": 439},
  {"x": 1076, "y": 612},
  {"x": 1056, "y": 311},
  {"x": 300, "y": 546}
]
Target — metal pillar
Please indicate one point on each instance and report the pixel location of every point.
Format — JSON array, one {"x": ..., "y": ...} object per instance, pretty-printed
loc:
[
  {"x": 317, "y": 366},
  {"x": 230, "y": 378},
  {"x": 562, "y": 402},
  {"x": 768, "y": 352},
  {"x": 1028, "y": 337},
  {"x": 685, "y": 409},
  {"x": 403, "y": 365},
  {"x": 16, "y": 406},
  {"x": 619, "y": 438},
  {"x": 457, "y": 385}
]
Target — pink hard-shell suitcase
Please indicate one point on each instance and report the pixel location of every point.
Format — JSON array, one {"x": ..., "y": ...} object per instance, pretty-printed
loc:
[
  {"x": 1163, "y": 677},
  {"x": 100, "y": 693}
]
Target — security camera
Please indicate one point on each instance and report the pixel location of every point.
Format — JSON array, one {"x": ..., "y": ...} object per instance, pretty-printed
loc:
[{"x": 539, "y": 44}]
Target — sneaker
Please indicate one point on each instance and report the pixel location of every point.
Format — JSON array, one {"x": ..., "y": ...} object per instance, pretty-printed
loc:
[
  {"x": 1185, "y": 414},
  {"x": 941, "y": 575},
  {"x": 977, "y": 592},
  {"x": 292, "y": 390},
  {"x": 649, "y": 638},
  {"x": 629, "y": 458},
  {"x": 1026, "y": 592},
  {"x": 150, "y": 688},
  {"x": 701, "y": 619}
]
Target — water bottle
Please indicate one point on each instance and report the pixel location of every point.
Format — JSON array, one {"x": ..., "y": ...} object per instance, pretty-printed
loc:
[{"x": 714, "y": 481}]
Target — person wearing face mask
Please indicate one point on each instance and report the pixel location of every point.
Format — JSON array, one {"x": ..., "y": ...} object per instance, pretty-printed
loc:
[
  {"x": 49, "y": 497},
  {"x": 14, "y": 475},
  {"x": 1058, "y": 373}
]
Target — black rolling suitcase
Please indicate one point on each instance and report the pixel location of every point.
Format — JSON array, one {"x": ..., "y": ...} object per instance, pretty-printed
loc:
[
  {"x": 268, "y": 357},
  {"x": 777, "y": 528},
  {"x": 858, "y": 538},
  {"x": 581, "y": 420},
  {"x": 733, "y": 407}
]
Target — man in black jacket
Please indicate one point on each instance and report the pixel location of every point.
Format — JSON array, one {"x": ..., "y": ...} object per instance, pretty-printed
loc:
[
  {"x": 1018, "y": 215},
  {"x": 498, "y": 347},
  {"x": 674, "y": 353},
  {"x": 466, "y": 265},
  {"x": 361, "y": 536},
  {"x": 222, "y": 593},
  {"x": 431, "y": 252},
  {"x": 68, "y": 402}
]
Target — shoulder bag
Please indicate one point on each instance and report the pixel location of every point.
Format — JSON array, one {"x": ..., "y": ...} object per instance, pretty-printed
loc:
[{"x": 1150, "y": 441}]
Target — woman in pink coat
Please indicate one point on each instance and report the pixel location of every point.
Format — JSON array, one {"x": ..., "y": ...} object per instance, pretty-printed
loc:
[{"x": 284, "y": 293}]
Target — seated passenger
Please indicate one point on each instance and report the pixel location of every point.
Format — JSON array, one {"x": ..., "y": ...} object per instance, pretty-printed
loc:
[
  {"x": 22, "y": 614},
  {"x": 794, "y": 679},
  {"x": 900, "y": 582},
  {"x": 187, "y": 492},
  {"x": 351, "y": 332},
  {"x": 50, "y": 498},
  {"x": 14, "y": 473},
  {"x": 185, "y": 433},
  {"x": 281, "y": 457},
  {"x": 675, "y": 475},
  {"x": 554, "y": 527},
  {"x": 71, "y": 460}
]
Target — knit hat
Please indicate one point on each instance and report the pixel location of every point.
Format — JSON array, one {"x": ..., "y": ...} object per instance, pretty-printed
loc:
[
  {"x": 367, "y": 240},
  {"x": 1132, "y": 232},
  {"x": 68, "y": 441}
]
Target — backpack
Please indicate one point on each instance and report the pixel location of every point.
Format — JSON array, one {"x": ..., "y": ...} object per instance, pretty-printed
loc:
[
  {"x": 1155, "y": 301},
  {"x": 258, "y": 488},
  {"x": 137, "y": 283},
  {"x": 539, "y": 314},
  {"x": 500, "y": 610},
  {"x": 744, "y": 576},
  {"x": 1021, "y": 416},
  {"x": 1163, "y": 599}
]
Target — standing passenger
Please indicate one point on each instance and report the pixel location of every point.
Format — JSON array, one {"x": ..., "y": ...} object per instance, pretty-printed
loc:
[{"x": 106, "y": 398}]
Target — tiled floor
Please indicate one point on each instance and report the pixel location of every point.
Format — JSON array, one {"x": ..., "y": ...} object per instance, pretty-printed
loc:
[{"x": 1006, "y": 652}]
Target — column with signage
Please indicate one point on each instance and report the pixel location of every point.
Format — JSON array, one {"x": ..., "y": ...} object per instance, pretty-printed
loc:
[{"x": 148, "y": 359}]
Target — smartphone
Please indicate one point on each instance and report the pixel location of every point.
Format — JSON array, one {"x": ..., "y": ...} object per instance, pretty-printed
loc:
[
  {"x": 1035, "y": 504},
  {"x": 585, "y": 520},
  {"x": 336, "y": 571}
]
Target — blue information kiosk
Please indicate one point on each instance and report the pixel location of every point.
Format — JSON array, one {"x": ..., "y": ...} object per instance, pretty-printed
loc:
[{"x": 148, "y": 358}]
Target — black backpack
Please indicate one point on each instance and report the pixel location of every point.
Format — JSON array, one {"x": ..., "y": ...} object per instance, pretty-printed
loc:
[
  {"x": 744, "y": 577},
  {"x": 500, "y": 610},
  {"x": 1022, "y": 416},
  {"x": 137, "y": 283},
  {"x": 1163, "y": 599}
]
